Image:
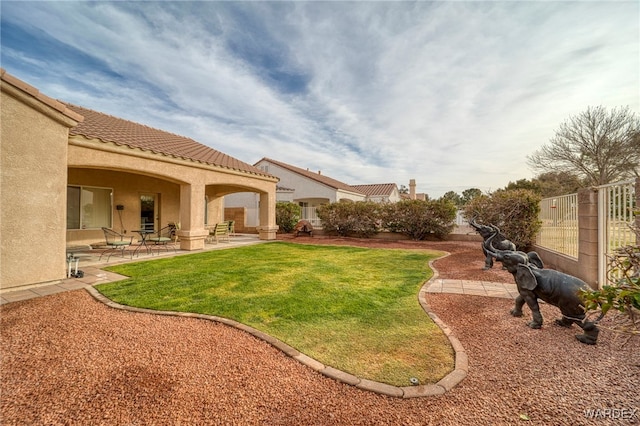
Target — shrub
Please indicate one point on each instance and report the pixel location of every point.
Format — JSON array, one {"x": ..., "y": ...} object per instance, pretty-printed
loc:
[
  {"x": 360, "y": 219},
  {"x": 515, "y": 212},
  {"x": 419, "y": 219},
  {"x": 287, "y": 215},
  {"x": 622, "y": 294}
]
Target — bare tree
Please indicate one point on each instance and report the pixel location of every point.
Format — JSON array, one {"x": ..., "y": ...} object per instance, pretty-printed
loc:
[{"x": 603, "y": 147}]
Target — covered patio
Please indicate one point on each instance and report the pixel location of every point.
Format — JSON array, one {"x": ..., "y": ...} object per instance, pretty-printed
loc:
[{"x": 91, "y": 264}]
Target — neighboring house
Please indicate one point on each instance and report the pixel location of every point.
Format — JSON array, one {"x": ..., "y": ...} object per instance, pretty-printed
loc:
[
  {"x": 306, "y": 188},
  {"x": 381, "y": 192},
  {"x": 310, "y": 190},
  {"x": 67, "y": 171}
]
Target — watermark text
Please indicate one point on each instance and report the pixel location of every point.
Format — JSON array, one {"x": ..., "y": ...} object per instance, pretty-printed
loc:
[{"x": 612, "y": 413}]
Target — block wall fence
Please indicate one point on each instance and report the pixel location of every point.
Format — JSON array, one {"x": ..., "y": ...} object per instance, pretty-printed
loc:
[{"x": 585, "y": 266}]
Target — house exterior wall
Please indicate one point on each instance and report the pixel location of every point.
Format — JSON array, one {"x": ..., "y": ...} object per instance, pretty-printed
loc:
[
  {"x": 394, "y": 197},
  {"x": 304, "y": 188},
  {"x": 344, "y": 195},
  {"x": 33, "y": 151},
  {"x": 127, "y": 188}
]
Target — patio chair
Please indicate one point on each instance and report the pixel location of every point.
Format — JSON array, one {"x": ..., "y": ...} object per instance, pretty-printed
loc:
[
  {"x": 116, "y": 242},
  {"x": 220, "y": 232},
  {"x": 165, "y": 237},
  {"x": 232, "y": 227}
]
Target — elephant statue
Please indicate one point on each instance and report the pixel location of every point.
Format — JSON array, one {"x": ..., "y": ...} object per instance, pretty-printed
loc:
[
  {"x": 554, "y": 287},
  {"x": 498, "y": 240}
]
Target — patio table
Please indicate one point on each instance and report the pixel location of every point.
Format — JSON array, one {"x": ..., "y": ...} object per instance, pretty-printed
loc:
[{"x": 144, "y": 233}]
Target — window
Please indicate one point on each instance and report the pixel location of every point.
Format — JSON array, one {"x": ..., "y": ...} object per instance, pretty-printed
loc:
[{"x": 88, "y": 207}]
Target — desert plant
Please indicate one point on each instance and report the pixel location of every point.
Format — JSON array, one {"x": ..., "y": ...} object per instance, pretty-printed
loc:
[
  {"x": 515, "y": 212},
  {"x": 287, "y": 215}
]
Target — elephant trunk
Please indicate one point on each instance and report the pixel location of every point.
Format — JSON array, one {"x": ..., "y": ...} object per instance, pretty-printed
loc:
[
  {"x": 474, "y": 224},
  {"x": 490, "y": 249}
]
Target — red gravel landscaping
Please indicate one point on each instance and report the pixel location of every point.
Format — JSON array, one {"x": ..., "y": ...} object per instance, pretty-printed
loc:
[{"x": 68, "y": 359}]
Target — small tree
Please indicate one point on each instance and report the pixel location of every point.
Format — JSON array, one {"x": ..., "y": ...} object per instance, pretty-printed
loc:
[
  {"x": 603, "y": 147},
  {"x": 515, "y": 212},
  {"x": 452, "y": 196},
  {"x": 558, "y": 183},
  {"x": 470, "y": 194},
  {"x": 287, "y": 215}
]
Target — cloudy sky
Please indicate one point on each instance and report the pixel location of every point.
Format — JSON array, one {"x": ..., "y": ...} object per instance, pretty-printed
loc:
[{"x": 452, "y": 94}]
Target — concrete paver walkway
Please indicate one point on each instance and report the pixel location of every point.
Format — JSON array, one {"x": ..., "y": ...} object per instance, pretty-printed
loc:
[{"x": 473, "y": 288}]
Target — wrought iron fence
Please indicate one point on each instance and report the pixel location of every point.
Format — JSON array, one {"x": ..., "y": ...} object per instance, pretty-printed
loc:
[{"x": 559, "y": 231}]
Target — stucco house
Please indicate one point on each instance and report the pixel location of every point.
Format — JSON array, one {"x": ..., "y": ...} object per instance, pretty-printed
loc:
[
  {"x": 309, "y": 189},
  {"x": 304, "y": 187},
  {"x": 67, "y": 171}
]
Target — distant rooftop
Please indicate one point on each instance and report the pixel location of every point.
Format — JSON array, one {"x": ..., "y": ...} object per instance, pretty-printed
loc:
[
  {"x": 376, "y": 189},
  {"x": 317, "y": 176}
]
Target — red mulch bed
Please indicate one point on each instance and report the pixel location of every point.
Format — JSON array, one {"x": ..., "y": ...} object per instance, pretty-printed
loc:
[{"x": 68, "y": 359}]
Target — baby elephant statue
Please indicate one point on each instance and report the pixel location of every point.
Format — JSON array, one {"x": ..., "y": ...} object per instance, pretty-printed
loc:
[
  {"x": 491, "y": 234},
  {"x": 554, "y": 287}
]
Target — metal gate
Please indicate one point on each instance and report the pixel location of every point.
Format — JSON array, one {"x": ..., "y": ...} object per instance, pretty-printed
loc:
[{"x": 616, "y": 203}]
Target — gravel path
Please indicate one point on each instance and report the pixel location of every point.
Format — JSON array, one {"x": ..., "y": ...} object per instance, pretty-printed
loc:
[{"x": 68, "y": 359}]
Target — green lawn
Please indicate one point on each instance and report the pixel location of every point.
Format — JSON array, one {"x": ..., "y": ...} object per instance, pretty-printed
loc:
[{"x": 355, "y": 309}]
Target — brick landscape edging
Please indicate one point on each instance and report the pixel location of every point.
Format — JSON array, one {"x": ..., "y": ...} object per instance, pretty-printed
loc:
[{"x": 445, "y": 384}]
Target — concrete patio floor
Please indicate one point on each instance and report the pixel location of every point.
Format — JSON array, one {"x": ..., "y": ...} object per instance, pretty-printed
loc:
[{"x": 90, "y": 264}]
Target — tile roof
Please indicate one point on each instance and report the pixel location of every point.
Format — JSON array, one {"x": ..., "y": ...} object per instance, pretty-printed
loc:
[
  {"x": 27, "y": 88},
  {"x": 133, "y": 135},
  {"x": 317, "y": 176},
  {"x": 376, "y": 189}
]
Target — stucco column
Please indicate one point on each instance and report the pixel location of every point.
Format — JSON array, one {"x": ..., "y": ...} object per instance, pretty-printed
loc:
[
  {"x": 637, "y": 213},
  {"x": 192, "y": 232},
  {"x": 588, "y": 235},
  {"x": 268, "y": 228}
]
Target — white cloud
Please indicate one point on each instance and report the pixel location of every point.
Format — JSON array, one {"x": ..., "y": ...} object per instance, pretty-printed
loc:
[{"x": 453, "y": 94}]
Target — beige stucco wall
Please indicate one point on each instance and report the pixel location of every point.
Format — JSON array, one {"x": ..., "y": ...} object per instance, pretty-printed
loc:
[
  {"x": 36, "y": 157},
  {"x": 182, "y": 185},
  {"x": 33, "y": 179},
  {"x": 127, "y": 188}
]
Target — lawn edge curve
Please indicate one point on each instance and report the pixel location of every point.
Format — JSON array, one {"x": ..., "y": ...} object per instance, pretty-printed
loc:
[{"x": 445, "y": 384}]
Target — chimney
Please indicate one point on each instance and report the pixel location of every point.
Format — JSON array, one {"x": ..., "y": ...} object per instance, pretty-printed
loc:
[
  {"x": 319, "y": 172},
  {"x": 412, "y": 189}
]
